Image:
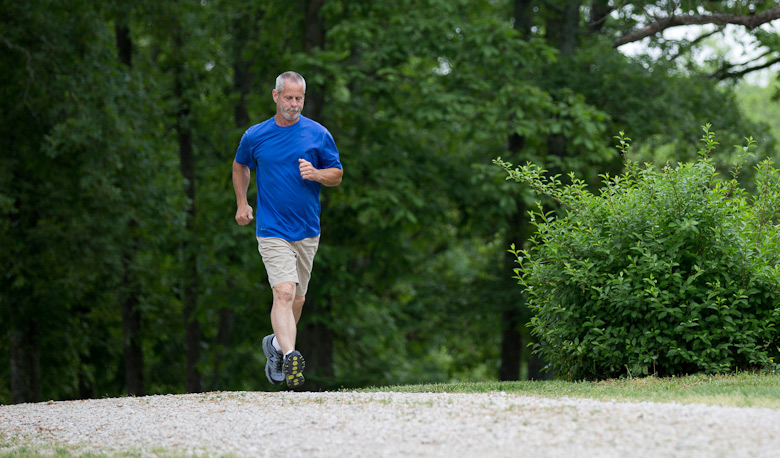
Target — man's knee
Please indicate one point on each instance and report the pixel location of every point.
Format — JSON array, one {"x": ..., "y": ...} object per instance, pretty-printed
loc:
[{"x": 284, "y": 293}]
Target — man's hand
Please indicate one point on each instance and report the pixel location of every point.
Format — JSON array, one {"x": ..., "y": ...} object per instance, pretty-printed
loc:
[
  {"x": 327, "y": 177},
  {"x": 308, "y": 172},
  {"x": 244, "y": 215}
]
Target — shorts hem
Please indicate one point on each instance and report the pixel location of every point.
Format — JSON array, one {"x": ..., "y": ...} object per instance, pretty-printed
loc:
[{"x": 277, "y": 281}]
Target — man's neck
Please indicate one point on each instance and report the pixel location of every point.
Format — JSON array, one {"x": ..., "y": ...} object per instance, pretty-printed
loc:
[{"x": 281, "y": 121}]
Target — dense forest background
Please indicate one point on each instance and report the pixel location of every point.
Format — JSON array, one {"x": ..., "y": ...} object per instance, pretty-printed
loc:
[{"x": 124, "y": 272}]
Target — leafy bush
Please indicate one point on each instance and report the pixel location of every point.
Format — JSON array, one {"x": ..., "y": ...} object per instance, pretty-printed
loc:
[{"x": 671, "y": 271}]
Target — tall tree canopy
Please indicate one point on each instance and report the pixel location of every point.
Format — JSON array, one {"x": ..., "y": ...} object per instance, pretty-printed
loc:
[{"x": 124, "y": 271}]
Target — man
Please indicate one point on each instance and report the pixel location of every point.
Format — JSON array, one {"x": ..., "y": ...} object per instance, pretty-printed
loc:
[{"x": 292, "y": 156}]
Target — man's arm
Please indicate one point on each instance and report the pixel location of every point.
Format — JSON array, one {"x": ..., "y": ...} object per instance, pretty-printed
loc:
[
  {"x": 241, "y": 178},
  {"x": 328, "y": 177}
]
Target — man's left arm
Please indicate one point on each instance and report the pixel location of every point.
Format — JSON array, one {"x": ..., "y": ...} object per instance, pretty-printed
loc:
[{"x": 327, "y": 177}]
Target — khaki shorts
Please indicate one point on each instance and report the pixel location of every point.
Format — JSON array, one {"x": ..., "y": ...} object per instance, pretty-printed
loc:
[{"x": 288, "y": 261}]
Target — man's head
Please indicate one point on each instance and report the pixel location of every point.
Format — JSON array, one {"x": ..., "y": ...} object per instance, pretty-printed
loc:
[{"x": 289, "y": 95}]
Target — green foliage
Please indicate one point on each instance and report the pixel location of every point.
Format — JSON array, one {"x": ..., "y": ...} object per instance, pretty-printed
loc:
[
  {"x": 662, "y": 104},
  {"x": 761, "y": 105},
  {"x": 411, "y": 280},
  {"x": 670, "y": 271}
]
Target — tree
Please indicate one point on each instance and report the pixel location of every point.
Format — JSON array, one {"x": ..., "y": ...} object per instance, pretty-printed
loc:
[
  {"x": 611, "y": 83},
  {"x": 64, "y": 150},
  {"x": 117, "y": 208},
  {"x": 131, "y": 312}
]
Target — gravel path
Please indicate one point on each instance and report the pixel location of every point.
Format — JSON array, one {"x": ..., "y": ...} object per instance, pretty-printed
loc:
[{"x": 289, "y": 424}]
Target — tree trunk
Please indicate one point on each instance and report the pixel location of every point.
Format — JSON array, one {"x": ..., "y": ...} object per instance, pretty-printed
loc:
[
  {"x": 25, "y": 360},
  {"x": 563, "y": 32},
  {"x": 314, "y": 38},
  {"x": 124, "y": 44},
  {"x": 563, "y": 28},
  {"x": 18, "y": 370},
  {"x": 131, "y": 339},
  {"x": 523, "y": 15},
  {"x": 131, "y": 314},
  {"x": 134, "y": 356},
  {"x": 190, "y": 279},
  {"x": 536, "y": 370},
  {"x": 34, "y": 362},
  {"x": 514, "y": 309},
  {"x": 317, "y": 340},
  {"x": 225, "y": 329},
  {"x": 511, "y": 344},
  {"x": 189, "y": 250},
  {"x": 244, "y": 32},
  {"x": 24, "y": 351}
]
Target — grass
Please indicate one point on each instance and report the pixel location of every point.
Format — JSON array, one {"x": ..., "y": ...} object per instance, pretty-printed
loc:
[
  {"x": 48, "y": 451},
  {"x": 42, "y": 451},
  {"x": 15, "y": 448},
  {"x": 736, "y": 390}
]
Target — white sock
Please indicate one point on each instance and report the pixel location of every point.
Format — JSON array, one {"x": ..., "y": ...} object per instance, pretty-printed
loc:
[{"x": 275, "y": 343}]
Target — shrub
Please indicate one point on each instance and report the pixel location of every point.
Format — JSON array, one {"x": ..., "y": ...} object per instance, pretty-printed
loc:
[{"x": 670, "y": 271}]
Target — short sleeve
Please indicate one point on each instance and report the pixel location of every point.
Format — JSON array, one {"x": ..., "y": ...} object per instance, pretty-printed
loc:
[
  {"x": 329, "y": 153},
  {"x": 244, "y": 152}
]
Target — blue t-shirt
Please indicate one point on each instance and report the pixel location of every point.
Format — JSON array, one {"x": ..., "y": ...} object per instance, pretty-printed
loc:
[{"x": 288, "y": 206}]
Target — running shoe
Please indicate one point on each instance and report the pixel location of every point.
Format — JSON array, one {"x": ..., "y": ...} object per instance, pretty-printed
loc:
[
  {"x": 273, "y": 367},
  {"x": 293, "y": 369}
]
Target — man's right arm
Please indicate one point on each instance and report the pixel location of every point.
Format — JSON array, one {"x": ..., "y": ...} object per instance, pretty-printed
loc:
[{"x": 241, "y": 178}]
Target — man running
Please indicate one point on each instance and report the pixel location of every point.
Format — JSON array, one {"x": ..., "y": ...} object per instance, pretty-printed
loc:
[{"x": 293, "y": 156}]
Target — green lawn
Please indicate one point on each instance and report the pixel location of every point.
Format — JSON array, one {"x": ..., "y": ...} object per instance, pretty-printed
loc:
[{"x": 739, "y": 390}]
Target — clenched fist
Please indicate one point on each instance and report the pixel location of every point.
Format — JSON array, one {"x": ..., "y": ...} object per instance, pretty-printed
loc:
[
  {"x": 308, "y": 172},
  {"x": 244, "y": 215}
]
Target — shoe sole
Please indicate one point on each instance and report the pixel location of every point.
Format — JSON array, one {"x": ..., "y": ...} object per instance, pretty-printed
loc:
[
  {"x": 293, "y": 370},
  {"x": 267, "y": 347}
]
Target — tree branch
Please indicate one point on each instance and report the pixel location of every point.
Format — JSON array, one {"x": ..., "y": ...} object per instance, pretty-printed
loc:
[
  {"x": 750, "y": 21},
  {"x": 698, "y": 40},
  {"x": 22, "y": 50},
  {"x": 766, "y": 53},
  {"x": 722, "y": 74},
  {"x": 28, "y": 67},
  {"x": 599, "y": 12}
]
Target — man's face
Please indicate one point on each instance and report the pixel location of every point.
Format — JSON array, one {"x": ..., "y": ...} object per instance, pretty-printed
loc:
[{"x": 289, "y": 101}]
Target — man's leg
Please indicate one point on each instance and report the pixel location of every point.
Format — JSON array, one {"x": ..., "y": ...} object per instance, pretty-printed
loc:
[
  {"x": 285, "y": 313},
  {"x": 298, "y": 307},
  {"x": 297, "y": 310},
  {"x": 289, "y": 268}
]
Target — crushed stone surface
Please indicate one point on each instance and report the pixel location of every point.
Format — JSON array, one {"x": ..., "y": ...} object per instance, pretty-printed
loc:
[{"x": 348, "y": 424}]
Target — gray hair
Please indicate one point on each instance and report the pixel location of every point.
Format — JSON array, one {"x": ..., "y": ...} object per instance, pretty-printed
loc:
[{"x": 289, "y": 76}]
